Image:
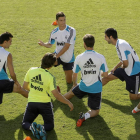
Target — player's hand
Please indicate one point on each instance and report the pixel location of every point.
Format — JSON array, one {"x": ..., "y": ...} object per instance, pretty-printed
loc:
[
  {"x": 70, "y": 106},
  {"x": 17, "y": 83},
  {"x": 112, "y": 71},
  {"x": 41, "y": 43}
]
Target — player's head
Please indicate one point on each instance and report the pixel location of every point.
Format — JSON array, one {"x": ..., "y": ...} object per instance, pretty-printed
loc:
[
  {"x": 6, "y": 39},
  {"x": 61, "y": 19},
  {"x": 60, "y": 14},
  {"x": 110, "y": 35},
  {"x": 89, "y": 40},
  {"x": 48, "y": 60},
  {"x": 111, "y": 32}
]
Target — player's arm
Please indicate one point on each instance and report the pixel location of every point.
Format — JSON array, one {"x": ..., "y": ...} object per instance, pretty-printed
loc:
[
  {"x": 64, "y": 49},
  {"x": 11, "y": 69},
  {"x": 26, "y": 86},
  {"x": 47, "y": 45},
  {"x": 62, "y": 99},
  {"x": 125, "y": 64},
  {"x": 74, "y": 79},
  {"x": 104, "y": 74},
  {"x": 117, "y": 66}
]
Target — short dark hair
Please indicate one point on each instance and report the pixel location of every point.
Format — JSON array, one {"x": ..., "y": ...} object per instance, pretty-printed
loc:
[
  {"x": 5, "y": 37},
  {"x": 60, "y": 14},
  {"x": 111, "y": 32},
  {"x": 48, "y": 60},
  {"x": 89, "y": 40}
]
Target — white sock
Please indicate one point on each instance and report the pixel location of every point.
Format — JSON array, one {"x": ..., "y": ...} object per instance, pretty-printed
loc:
[
  {"x": 137, "y": 109},
  {"x": 87, "y": 115}
]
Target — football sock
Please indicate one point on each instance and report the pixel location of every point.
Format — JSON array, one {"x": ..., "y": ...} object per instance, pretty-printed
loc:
[
  {"x": 87, "y": 115},
  {"x": 136, "y": 109}
]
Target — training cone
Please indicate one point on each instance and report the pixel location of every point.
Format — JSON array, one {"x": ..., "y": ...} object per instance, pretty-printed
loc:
[
  {"x": 27, "y": 138},
  {"x": 54, "y": 23}
]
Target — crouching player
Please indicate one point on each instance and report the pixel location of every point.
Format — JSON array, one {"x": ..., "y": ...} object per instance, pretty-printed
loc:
[
  {"x": 8, "y": 85},
  {"x": 41, "y": 83},
  {"x": 91, "y": 65}
]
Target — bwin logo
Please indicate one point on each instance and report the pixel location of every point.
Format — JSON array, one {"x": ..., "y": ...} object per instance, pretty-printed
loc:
[
  {"x": 60, "y": 43},
  {"x": 36, "y": 88},
  {"x": 89, "y": 64},
  {"x": 89, "y": 72}
]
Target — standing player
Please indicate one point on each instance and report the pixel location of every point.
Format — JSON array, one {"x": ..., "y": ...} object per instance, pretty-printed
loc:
[
  {"x": 8, "y": 85},
  {"x": 64, "y": 36},
  {"x": 128, "y": 69},
  {"x": 42, "y": 85},
  {"x": 92, "y": 65}
]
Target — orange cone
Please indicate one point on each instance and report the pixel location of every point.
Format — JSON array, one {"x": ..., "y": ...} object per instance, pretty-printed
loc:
[
  {"x": 54, "y": 23},
  {"x": 27, "y": 138}
]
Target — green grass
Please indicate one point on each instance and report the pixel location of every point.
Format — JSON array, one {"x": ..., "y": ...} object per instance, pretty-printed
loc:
[{"x": 30, "y": 20}]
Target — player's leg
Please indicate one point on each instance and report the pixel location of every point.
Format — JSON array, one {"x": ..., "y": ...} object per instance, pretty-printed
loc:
[
  {"x": 132, "y": 85},
  {"x": 67, "y": 67},
  {"x": 134, "y": 96},
  {"x": 46, "y": 110},
  {"x": 1, "y": 97},
  {"x": 68, "y": 77},
  {"x": 29, "y": 116},
  {"x": 94, "y": 102},
  {"x": 20, "y": 90},
  {"x": 69, "y": 94},
  {"x": 110, "y": 77},
  {"x": 136, "y": 109}
]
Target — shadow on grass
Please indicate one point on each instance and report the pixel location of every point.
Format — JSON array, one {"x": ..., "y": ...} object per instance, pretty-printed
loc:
[
  {"x": 9, "y": 128},
  {"x": 127, "y": 110},
  {"x": 95, "y": 127}
]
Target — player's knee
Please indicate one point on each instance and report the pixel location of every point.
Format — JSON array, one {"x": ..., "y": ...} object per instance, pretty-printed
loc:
[{"x": 25, "y": 125}]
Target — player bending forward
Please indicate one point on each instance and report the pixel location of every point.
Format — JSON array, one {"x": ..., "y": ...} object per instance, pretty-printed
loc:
[
  {"x": 64, "y": 36},
  {"x": 42, "y": 84},
  {"x": 8, "y": 85},
  {"x": 92, "y": 65}
]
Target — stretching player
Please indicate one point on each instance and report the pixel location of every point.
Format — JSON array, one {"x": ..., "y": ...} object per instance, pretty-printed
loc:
[
  {"x": 41, "y": 85},
  {"x": 128, "y": 69},
  {"x": 8, "y": 85},
  {"x": 92, "y": 65},
  {"x": 64, "y": 36}
]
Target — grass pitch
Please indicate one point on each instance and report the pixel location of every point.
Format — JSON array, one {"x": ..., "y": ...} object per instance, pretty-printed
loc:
[{"x": 30, "y": 20}]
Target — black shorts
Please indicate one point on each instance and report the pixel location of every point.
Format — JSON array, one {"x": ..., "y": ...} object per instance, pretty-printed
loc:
[
  {"x": 33, "y": 109},
  {"x": 132, "y": 82},
  {"x": 66, "y": 66},
  {"x": 6, "y": 86},
  {"x": 94, "y": 99}
]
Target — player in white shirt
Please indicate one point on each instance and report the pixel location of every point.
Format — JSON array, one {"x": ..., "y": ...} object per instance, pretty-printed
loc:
[
  {"x": 92, "y": 66},
  {"x": 8, "y": 85},
  {"x": 128, "y": 69},
  {"x": 64, "y": 36}
]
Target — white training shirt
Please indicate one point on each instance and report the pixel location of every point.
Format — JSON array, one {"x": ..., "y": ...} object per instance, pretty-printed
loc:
[
  {"x": 126, "y": 52},
  {"x": 90, "y": 63},
  {"x": 3, "y": 63},
  {"x": 60, "y": 37}
]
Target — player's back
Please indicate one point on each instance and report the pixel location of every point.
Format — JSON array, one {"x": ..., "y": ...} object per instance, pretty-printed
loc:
[
  {"x": 91, "y": 63},
  {"x": 41, "y": 84},
  {"x": 3, "y": 63}
]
